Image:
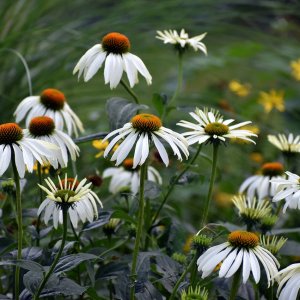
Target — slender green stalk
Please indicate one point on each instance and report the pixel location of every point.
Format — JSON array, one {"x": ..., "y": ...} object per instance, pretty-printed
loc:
[
  {"x": 58, "y": 255},
  {"x": 181, "y": 278},
  {"x": 130, "y": 91},
  {"x": 39, "y": 169},
  {"x": 138, "y": 230},
  {"x": 235, "y": 284},
  {"x": 211, "y": 183},
  {"x": 19, "y": 222},
  {"x": 171, "y": 186}
]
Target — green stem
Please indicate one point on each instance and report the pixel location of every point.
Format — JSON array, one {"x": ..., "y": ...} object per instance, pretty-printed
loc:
[
  {"x": 211, "y": 183},
  {"x": 19, "y": 222},
  {"x": 171, "y": 186},
  {"x": 58, "y": 255},
  {"x": 39, "y": 169},
  {"x": 235, "y": 284},
  {"x": 181, "y": 278},
  {"x": 130, "y": 91},
  {"x": 139, "y": 229}
]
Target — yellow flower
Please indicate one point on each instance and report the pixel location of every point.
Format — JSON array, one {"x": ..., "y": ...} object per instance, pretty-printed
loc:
[
  {"x": 223, "y": 199},
  {"x": 272, "y": 99},
  {"x": 45, "y": 168},
  {"x": 257, "y": 157},
  {"x": 295, "y": 65},
  {"x": 100, "y": 145},
  {"x": 241, "y": 90}
]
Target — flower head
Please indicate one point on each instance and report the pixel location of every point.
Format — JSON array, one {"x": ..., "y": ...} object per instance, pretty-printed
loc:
[
  {"x": 211, "y": 127},
  {"x": 250, "y": 209},
  {"x": 295, "y": 66},
  {"x": 14, "y": 144},
  {"x": 142, "y": 130},
  {"x": 287, "y": 144},
  {"x": 43, "y": 128},
  {"x": 102, "y": 145},
  {"x": 272, "y": 99},
  {"x": 260, "y": 185},
  {"x": 241, "y": 90},
  {"x": 197, "y": 293},
  {"x": 114, "y": 50},
  {"x": 125, "y": 177},
  {"x": 76, "y": 197},
  {"x": 242, "y": 250},
  {"x": 51, "y": 103},
  {"x": 272, "y": 243},
  {"x": 289, "y": 282},
  {"x": 288, "y": 189},
  {"x": 182, "y": 40}
]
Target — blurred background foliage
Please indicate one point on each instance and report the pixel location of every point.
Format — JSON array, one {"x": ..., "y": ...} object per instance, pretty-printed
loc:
[{"x": 252, "y": 43}]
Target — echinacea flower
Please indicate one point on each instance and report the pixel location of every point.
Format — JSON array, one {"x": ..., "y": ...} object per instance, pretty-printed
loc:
[
  {"x": 211, "y": 127},
  {"x": 141, "y": 131},
  {"x": 288, "y": 189},
  {"x": 242, "y": 250},
  {"x": 182, "y": 40},
  {"x": 295, "y": 65},
  {"x": 197, "y": 293},
  {"x": 250, "y": 209},
  {"x": 241, "y": 90},
  {"x": 114, "y": 50},
  {"x": 76, "y": 197},
  {"x": 272, "y": 99},
  {"x": 272, "y": 243},
  {"x": 51, "y": 103},
  {"x": 287, "y": 144},
  {"x": 289, "y": 282},
  {"x": 102, "y": 145},
  {"x": 127, "y": 177},
  {"x": 43, "y": 128},
  {"x": 260, "y": 186},
  {"x": 14, "y": 145}
]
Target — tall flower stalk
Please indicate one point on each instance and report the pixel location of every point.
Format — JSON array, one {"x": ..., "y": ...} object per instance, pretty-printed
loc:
[
  {"x": 211, "y": 184},
  {"x": 19, "y": 222},
  {"x": 139, "y": 229},
  {"x": 58, "y": 255}
]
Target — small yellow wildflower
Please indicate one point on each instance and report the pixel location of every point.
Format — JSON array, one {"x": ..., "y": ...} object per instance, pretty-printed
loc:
[
  {"x": 257, "y": 157},
  {"x": 295, "y": 65},
  {"x": 45, "y": 168},
  {"x": 272, "y": 99},
  {"x": 223, "y": 199},
  {"x": 100, "y": 145},
  {"x": 241, "y": 90}
]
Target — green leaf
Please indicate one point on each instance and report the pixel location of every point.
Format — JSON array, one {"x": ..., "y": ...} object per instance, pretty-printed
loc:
[
  {"x": 71, "y": 261},
  {"x": 120, "y": 214},
  {"x": 103, "y": 218},
  {"x": 152, "y": 190},
  {"x": 25, "y": 264},
  {"x": 186, "y": 178},
  {"x": 120, "y": 111},
  {"x": 159, "y": 101}
]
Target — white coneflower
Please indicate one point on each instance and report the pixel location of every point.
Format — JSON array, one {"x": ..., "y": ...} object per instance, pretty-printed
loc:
[
  {"x": 242, "y": 250},
  {"x": 43, "y": 128},
  {"x": 14, "y": 145},
  {"x": 250, "y": 209},
  {"x": 287, "y": 144},
  {"x": 51, "y": 103},
  {"x": 141, "y": 131},
  {"x": 76, "y": 197},
  {"x": 114, "y": 50},
  {"x": 211, "y": 127},
  {"x": 289, "y": 282},
  {"x": 182, "y": 39},
  {"x": 260, "y": 185},
  {"x": 288, "y": 189},
  {"x": 127, "y": 177}
]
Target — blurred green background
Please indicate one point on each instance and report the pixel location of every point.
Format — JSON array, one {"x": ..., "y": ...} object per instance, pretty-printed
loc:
[{"x": 251, "y": 42}]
